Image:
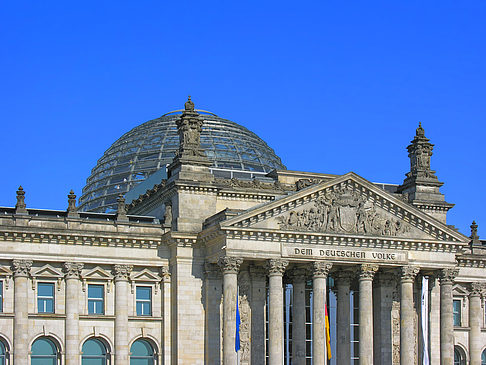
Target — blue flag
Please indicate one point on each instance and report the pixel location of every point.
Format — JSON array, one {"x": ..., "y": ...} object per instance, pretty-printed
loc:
[{"x": 238, "y": 320}]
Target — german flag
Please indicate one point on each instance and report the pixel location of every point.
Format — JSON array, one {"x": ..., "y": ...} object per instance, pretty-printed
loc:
[{"x": 328, "y": 336}]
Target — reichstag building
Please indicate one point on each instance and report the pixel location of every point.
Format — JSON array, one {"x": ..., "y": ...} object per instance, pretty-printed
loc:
[{"x": 191, "y": 240}]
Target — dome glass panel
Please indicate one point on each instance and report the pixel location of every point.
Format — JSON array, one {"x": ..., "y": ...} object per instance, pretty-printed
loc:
[{"x": 152, "y": 146}]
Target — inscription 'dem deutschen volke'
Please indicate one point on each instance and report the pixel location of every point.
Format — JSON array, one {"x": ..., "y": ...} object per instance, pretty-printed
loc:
[{"x": 345, "y": 254}]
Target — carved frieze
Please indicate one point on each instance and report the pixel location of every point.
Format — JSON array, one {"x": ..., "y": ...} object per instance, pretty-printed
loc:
[
  {"x": 245, "y": 317},
  {"x": 343, "y": 210}
]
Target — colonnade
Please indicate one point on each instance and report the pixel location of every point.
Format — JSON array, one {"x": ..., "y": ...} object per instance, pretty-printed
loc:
[{"x": 343, "y": 276}]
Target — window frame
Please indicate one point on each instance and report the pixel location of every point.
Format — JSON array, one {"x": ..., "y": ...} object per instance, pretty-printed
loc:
[
  {"x": 46, "y": 298},
  {"x": 102, "y": 300},
  {"x": 455, "y": 313},
  {"x": 1, "y": 296},
  {"x": 143, "y": 301}
]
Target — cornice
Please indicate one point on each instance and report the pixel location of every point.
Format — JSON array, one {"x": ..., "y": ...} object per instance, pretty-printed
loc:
[
  {"x": 471, "y": 261},
  {"x": 136, "y": 240},
  {"x": 180, "y": 239},
  {"x": 350, "y": 240}
]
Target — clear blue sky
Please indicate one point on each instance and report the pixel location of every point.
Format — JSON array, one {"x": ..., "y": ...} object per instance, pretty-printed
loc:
[{"x": 332, "y": 86}]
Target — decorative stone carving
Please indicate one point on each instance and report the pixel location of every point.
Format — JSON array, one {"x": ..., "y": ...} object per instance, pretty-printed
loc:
[
  {"x": 420, "y": 151},
  {"x": 165, "y": 273},
  {"x": 476, "y": 289},
  {"x": 304, "y": 183},
  {"x": 72, "y": 211},
  {"x": 189, "y": 127},
  {"x": 408, "y": 273},
  {"x": 245, "y": 317},
  {"x": 367, "y": 271},
  {"x": 20, "y": 207},
  {"x": 21, "y": 267},
  {"x": 121, "y": 212},
  {"x": 72, "y": 270},
  {"x": 474, "y": 234},
  {"x": 230, "y": 265},
  {"x": 122, "y": 272},
  {"x": 252, "y": 184},
  {"x": 276, "y": 266},
  {"x": 168, "y": 216},
  {"x": 343, "y": 210},
  {"x": 320, "y": 269},
  {"x": 447, "y": 276}
]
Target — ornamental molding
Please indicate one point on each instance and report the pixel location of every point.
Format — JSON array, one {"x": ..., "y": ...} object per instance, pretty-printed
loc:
[
  {"x": 472, "y": 261},
  {"x": 179, "y": 239},
  {"x": 447, "y": 276},
  {"x": 346, "y": 205},
  {"x": 476, "y": 289},
  {"x": 320, "y": 269}
]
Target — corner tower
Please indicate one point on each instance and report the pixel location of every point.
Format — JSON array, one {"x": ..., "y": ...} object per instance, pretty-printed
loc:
[{"x": 421, "y": 186}]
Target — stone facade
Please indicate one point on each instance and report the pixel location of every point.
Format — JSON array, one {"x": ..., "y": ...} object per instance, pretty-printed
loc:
[{"x": 228, "y": 241}]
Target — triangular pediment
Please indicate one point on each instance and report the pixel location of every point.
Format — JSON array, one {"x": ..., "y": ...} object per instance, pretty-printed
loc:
[
  {"x": 5, "y": 271},
  {"x": 98, "y": 273},
  {"x": 146, "y": 275},
  {"x": 47, "y": 271},
  {"x": 460, "y": 290},
  {"x": 348, "y": 205}
]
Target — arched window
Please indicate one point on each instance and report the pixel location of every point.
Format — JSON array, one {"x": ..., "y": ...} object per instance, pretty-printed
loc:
[
  {"x": 3, "y": 353},
  {"x": 142, "y": 353},
  {"x": 94, "y": 352},
  {"x": 459, "y": 358},
  {"x": 44, "y": 352},
  {"x": 483, "y": 358}
]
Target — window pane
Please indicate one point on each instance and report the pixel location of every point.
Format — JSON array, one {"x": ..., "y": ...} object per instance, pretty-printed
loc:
[
  {"x": 141, "y": 348},
  {"x": 144, "y": 292},
  {"x": 95, "y": 291},
  {"x": 93, "y": 347},
  {"x": 45, "y": 289},
  {"x": 43, "y": 346},
  {"x": 457, "y": 312}
]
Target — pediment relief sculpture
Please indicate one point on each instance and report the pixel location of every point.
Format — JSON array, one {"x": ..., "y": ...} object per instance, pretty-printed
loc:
[{"x": 344, "y": 210}]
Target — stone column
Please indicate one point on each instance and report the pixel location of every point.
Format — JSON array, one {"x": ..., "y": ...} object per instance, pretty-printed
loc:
[
  {"x": 276, "y": 268},
  {"x": 258, "y": 299},
  {"x": 407, "y": 327},
  {"x": 446, "y": 317},
  {"x": 366, "y": 313},
  {"x": 298, "y": 277},
  {"x": 475, "y": 321},
  {"x": 213, "y": 313},
  {"x": 122, "y": 274},
  {"x": 434, "y": 320},
  {"x": 21, "y": 272},
  {"x": 383, "y": 317},
  {"x": 342, "y": 280},
  {"x": 229, "y": 267},
  {"x": 320, "y": 271},
  {"x": 166, "y": 315},
  {"x": 72, "y": 272}
]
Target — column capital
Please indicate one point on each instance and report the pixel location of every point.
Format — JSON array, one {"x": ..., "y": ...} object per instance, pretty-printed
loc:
[
  {"x": 367, "y": 271},
  {"x": 122, "y": 272},
  {"x": 320, "y": 269},
  {"x": 447, "y": 276},
  {"x": 230, "y": 265},
  {"x": 21, "y": 267},
  {"x": 476, "y": 289},
  {"x": 276, "y": 266},
  {"x": 408, "y": 273},
  {"x": 72, "y": 270},
  {"x": 344, "y": 276}
]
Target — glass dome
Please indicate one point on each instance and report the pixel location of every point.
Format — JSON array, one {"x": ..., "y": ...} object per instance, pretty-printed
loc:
[{"x": 152, "y": 145}]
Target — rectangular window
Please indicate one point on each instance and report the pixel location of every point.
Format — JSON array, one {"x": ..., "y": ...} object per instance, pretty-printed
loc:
[
  {"x": 45, "y": 297},
  {"x": 96, "y": 299},
  {"x": 1, "y": 296},
  {"x": 456, "y": 312},
  {"x": 144, "y": 301}
]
